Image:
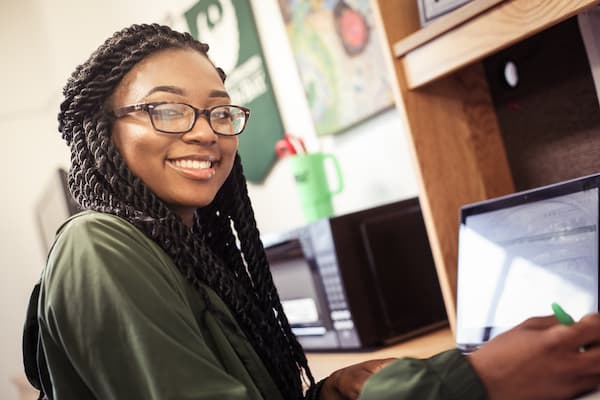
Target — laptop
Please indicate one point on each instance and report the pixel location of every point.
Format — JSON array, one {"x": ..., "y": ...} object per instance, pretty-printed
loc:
[{"x": 519, "y": 253}]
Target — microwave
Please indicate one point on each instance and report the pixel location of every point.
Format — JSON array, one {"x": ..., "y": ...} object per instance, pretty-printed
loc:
[{"x": 358, "y": 281}]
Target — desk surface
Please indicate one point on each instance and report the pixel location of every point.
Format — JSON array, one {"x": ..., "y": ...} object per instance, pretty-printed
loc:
[{"x": 323, "y": 364}]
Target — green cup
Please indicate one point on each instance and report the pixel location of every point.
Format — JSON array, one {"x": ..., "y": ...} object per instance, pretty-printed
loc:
[{"x": 310, "y": 175}]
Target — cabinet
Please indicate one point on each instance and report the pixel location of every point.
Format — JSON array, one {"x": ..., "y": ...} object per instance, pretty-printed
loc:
[{"x": 441, "y": 91}]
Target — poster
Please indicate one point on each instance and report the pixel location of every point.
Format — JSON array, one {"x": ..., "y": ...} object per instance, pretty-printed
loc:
[
  {"x": 229, "y": 28},
  {"x": 339, "y": 60}
]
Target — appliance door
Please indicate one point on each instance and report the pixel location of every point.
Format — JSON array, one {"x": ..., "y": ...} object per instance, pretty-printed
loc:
[
  {"x": 300, "y": 288},
  {"x": 404, "y": 273}
]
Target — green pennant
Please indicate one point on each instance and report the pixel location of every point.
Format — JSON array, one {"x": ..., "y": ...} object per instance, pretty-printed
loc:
[{"x": 229, "y": 28}]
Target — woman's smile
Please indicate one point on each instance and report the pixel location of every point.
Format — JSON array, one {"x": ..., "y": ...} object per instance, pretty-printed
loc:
[{"x": 195, "y": 167}]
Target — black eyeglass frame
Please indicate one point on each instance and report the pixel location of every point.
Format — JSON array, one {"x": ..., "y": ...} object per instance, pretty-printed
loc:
[{"x": 147, "y": 107}]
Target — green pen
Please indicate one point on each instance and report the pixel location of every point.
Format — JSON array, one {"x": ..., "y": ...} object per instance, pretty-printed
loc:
[
  {"x": 561, "y": 315},
  {"x": 564, "y": 318}
]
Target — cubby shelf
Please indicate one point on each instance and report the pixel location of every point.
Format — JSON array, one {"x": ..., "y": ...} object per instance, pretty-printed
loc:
[
  {"x": 475, "y": 31},
  {"x": 442, "y": 93}
]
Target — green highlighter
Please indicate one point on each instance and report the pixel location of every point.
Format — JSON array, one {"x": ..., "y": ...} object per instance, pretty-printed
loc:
[{"x": 561, "y": 315}]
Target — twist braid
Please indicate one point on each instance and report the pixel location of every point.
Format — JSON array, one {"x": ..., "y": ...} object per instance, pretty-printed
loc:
[
  {"x": 207, "y": 254},
  {"x": 255, "y": 255}
]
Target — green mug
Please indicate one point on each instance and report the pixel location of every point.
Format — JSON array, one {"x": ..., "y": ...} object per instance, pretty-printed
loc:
[{"x": 310, "y": 175}]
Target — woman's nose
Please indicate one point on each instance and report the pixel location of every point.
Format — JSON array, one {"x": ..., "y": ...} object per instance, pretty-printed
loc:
[{"x": 201, "y": 132}]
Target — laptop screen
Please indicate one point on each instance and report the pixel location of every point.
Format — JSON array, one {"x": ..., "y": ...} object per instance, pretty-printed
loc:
[{"x": 520, "y": 253}]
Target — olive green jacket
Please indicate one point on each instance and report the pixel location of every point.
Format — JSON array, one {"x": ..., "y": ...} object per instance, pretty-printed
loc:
[{"x": 118, "y": 321}]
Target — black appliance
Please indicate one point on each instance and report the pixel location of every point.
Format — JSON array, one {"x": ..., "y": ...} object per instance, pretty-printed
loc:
[{"x": 359, "y": 280}]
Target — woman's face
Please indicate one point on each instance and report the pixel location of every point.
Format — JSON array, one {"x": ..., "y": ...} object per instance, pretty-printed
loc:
[{"x": 184, "y": 170}]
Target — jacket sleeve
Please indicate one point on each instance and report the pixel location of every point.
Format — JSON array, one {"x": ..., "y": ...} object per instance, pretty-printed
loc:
[
  {"x": 123, "y": 320},
  {"x": 446, "y": 376}
]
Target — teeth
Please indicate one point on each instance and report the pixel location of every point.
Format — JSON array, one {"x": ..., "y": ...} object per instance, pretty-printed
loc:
[{"x": 192, "y": 164}]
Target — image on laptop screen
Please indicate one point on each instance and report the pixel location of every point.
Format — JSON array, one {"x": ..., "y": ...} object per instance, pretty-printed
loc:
[{"x": 520, "y": 253}]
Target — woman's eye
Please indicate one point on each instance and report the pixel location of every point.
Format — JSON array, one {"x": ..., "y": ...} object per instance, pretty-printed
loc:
[
  {"x": 221, "y": 114},
  {"x": 168, "y": 113}
]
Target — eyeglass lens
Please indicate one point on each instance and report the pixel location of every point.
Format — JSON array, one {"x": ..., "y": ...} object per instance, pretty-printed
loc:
[{"x": 175, "y": 118}]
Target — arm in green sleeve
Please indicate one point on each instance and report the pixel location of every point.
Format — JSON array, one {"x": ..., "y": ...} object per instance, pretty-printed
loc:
[
  {"x": 121, "y": 318},
  {"x": 446, "y": 376}
]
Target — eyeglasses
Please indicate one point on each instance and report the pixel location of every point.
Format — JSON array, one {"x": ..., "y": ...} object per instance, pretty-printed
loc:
[{"x": 169, "y": 117}]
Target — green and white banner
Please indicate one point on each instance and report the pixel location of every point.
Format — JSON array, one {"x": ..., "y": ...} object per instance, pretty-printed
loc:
[{"x": 229, "y": 28}]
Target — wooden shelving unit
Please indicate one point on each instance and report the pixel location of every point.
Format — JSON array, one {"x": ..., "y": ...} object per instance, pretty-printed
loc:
[
  {"x": 441, "y": 91},
  {"x": 472, "y": 39}
]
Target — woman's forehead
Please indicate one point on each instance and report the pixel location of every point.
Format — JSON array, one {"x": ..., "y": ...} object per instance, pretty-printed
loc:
[{"x": 187, "y": 69}]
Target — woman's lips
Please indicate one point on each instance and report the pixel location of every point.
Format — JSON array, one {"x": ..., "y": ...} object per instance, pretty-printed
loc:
[{"x": 194, "y": 169}]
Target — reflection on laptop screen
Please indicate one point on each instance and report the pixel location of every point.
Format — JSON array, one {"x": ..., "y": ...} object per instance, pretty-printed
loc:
[{"x": 520, "y": 253}]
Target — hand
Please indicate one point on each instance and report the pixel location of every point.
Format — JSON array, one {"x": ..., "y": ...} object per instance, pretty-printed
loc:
[
  {"x": 346, "y": 383},
  {"x": 540, "y": 359}
]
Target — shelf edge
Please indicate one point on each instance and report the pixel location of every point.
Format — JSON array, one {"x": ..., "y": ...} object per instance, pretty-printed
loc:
[{"x": 493, "y": 30}]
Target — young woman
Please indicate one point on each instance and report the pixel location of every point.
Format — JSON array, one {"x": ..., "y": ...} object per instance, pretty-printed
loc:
[{"x": 161, "y": 288}]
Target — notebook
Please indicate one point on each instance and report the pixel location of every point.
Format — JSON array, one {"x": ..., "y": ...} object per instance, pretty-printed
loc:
[{"x": 519, "y": 253}]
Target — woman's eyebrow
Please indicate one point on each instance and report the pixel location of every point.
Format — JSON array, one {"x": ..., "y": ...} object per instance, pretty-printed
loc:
[
  {"x": 179, "y": 91},
  {"x": 218, "y": 93},
  {"x": 169, "y": 89}
]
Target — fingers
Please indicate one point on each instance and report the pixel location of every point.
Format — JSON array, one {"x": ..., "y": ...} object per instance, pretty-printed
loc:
[
  {"x": 582, "y": 334},
  {"x": 348, "y": 382},
  {"x": 590, "y": 362},
  {"x": 351, "y": 382},
  {"x": 359, "y": 375},
  {"x": 587, "y": 330},
  {"x": 539, "y": 322},
  {"x": 330, "y": 393},
  {"x": 354, "y": 386},
  {"x": 541, "y": 359},
  {"x": 373, "y": 366},
  {"x": 585, "y": 385}
]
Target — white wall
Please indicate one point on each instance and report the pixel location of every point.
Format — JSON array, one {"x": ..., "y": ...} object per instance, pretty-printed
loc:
[{"x": 44, "y": 40}]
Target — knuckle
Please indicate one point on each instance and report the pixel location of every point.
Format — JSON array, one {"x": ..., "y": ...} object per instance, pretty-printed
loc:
[
  {"x": 553, "y": 337},
  {"x": 591, "y": 319}
]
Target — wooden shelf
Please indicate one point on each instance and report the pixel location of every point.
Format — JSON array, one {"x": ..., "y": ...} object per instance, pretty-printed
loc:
[
  {"x": 443, "y": 97},
  {"x": 494, "y": 29},
  {"x": 442, "y": 25}
]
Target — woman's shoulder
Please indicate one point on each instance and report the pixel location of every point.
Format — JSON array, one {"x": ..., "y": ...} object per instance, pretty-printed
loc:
[
  {"x": 87, "y": 221},
  {"x": 100, "y": 256},
  {"x": 100, "y": 245},
  {"x": 93, "y": 229}
]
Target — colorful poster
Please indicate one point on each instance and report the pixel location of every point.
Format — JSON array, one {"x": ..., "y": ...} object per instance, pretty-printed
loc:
[
  {"x": 339, "y": 60},
  {"x": 229, "y": 28}
]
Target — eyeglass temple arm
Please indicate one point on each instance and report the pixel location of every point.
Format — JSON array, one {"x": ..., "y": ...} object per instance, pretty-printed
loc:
[{"x": 119, "y": 112}]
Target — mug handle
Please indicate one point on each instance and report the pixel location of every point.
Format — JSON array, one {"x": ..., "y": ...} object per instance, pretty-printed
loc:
[{"x": 338, "y": 171}]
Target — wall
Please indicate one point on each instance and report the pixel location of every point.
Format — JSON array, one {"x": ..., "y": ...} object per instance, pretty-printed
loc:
[{"x": 44, "y": 40}]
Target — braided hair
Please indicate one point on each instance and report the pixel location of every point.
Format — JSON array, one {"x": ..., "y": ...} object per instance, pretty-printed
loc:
[{"x": 208, "y": 253}]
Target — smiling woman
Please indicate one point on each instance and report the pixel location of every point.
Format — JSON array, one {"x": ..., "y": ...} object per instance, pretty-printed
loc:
[
  {"x": 188, "y": 165},
  {"x": 145, "y": 294},
  {"x": 160, "y": 288}
]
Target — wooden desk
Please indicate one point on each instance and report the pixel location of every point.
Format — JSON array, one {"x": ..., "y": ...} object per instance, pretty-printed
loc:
[{"x": 323, "y": 364}]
